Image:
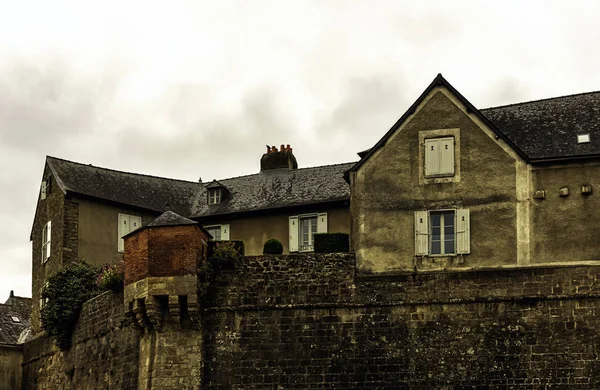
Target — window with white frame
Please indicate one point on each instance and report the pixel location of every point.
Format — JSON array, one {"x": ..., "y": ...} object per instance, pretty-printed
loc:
[
  {"x": 46, "y": 241},
  {"x": 439, "y": 157},
  {"x": 302, "y": 229},
  {"x": 127, "y": 224},
  {"x": 442, "y": 232},
  {"x": 214, "y": 195},
  {"x": 218, "y": 232}
]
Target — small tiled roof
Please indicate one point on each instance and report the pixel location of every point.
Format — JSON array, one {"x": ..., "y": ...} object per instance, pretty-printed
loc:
[
  {"x": 548, "y": 128},
  {"x": 169, "y": 218},
  {"x": 143, "y": 191},
  {"x": 20, "y": 309},
  {"x": 277, "y": 188}
]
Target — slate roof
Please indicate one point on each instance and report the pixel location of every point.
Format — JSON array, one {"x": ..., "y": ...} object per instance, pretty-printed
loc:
[
  {"x": 169, "y": 218},
  {"x": 277, "y": 188},
  {"x": 20, "y": 308},
  {"x": 548, "y": 128},
  {"x": 143, "y": 191}
]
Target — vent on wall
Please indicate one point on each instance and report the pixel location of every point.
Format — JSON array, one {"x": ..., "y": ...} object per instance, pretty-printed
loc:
[{"x": 583, "y": 138}]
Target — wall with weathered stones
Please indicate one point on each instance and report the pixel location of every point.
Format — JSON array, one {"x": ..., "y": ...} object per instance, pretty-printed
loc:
[
  {"x": 103, "y": 355},
  {"x": 11, "y": 358},
  {"x": 307, "y": 321}
]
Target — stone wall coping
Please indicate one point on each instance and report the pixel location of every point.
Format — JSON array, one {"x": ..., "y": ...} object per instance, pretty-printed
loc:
[{"x": 466, "y": 270}]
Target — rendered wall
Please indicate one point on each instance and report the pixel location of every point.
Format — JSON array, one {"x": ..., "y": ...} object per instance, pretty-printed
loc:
[
  {"x": 11, "y": 358},
  {"x": 389, "y": 188},
  {"x": 257, "y": 229},
  {"x": 564, "y": 227}
]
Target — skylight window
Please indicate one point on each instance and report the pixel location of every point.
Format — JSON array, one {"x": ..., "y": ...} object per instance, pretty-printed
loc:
[
  {"x": 15, "y": 319},
  {"x": 583, "y": 138}
]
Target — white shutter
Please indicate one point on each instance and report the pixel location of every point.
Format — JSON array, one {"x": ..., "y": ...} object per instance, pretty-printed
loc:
[
  {"x": 123, "y": 229},
  {"x": 463, "y": 233},
  {"x": 134, "y": 223},
  {"x": 447, "y": 156},
  {"x": 44, "y": 184},
  {"x": 224, "y": 232},
  {"x": 322, "y": 223},
  {"x": 293, "y": 230},
  {"x": 432, "y": 164},
  {"x": 49, "y": 238},
  {"x": 421, "y": 233}
]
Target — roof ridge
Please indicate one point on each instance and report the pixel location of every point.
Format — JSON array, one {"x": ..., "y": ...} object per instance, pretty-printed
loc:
[
  {"x": 116, "y": 170},
  {"x": 298, "y": 169},
  {"x": 539, "y": 100}
]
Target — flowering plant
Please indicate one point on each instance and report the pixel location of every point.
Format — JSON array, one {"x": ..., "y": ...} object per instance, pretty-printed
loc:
[{"x": 111, "y": 276}]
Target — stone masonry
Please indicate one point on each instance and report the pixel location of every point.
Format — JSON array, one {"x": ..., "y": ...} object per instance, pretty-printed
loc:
[{"x": 307, "y": 321}]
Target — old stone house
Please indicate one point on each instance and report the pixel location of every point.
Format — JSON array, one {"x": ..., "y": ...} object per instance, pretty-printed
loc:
[
  {"x": 14, "y": 331},
  {"x": 83, "y": 211},
  {"x": 452, "y": 186}
]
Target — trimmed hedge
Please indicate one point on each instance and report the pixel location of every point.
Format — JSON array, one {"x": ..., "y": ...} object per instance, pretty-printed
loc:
[
  {"x": 332, "y": 242},
  {"x": 239, "y": 245},
  {"x": 273, "y": 247}
]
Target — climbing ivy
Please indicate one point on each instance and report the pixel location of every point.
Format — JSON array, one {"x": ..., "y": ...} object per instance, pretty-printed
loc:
[{"x": 63, "y": 295}]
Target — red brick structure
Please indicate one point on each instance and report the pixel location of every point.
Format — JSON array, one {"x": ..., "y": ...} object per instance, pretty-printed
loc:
[{"x": 171, "y": 245}]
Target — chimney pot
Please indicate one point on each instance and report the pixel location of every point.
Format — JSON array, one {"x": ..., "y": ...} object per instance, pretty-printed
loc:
[
  {"x": 282, "y": 148},
  {"x": 288, "y": 148},
  {"x": 268, "y": 149},
  {"x": 274, "y": 149}
]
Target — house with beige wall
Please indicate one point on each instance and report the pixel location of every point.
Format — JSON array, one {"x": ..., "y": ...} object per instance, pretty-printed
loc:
[
  {"x": 452, "y": 186},
  {"x": 83, "y": 211}
]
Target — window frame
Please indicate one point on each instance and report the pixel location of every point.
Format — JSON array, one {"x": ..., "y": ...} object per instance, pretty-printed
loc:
[
  {"x": 208, "y": 228},
  {"x": 46, "y": 242},
  {"x": 442, "y": 241},
  {"x": 214, "y": 196},
  {"x": 311, "y": 237}
]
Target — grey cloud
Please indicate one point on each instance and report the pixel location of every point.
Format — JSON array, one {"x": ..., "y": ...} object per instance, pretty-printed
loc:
[{"x": 43, "y": 104}]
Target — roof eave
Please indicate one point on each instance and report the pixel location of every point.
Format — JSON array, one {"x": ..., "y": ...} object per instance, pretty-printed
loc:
[{"x": 438, "y": 81}]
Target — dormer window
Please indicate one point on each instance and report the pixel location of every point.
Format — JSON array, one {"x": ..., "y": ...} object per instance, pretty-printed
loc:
[{"x": 214, "y": 195}]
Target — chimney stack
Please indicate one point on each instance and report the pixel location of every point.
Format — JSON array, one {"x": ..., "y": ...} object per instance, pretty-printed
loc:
[{"x": 278, "y": 159}]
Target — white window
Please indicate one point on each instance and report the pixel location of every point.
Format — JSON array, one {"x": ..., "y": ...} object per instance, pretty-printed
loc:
[
  {"x": 442, "y": 233},
  {"x": 127, "y": 224},
  {"x": 439, "y": 157},
  {"x": 15, "y": 319},
  {"x": 219, "y": 232},
  {"x": 302, "y": 229},
  {"x": 214, "y": 195},
  {"x": 46, "y": 241}
]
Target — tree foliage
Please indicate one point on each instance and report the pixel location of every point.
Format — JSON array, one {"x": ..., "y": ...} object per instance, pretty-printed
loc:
[{"x": 63, "y": 296}]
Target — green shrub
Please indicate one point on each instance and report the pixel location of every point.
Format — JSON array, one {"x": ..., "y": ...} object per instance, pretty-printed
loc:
[
  {"x": 63, "y": 295},
  {"x": 111, "y": 277},
  {"x": 273, "y": 247},
  {"x": 212, "y": 245},
  {"x": 332, "y": 242},
  {"x": 227, "y": 250}
]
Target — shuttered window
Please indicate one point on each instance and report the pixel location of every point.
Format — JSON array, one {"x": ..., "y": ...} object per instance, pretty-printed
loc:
[
  {"x": 302, "y": 229},
  {"x": 444, "y": 232},
  {"x": 218, "y": 232},
  {"x": 127, "y": 224},
  {"x": 439, "y": 157}
]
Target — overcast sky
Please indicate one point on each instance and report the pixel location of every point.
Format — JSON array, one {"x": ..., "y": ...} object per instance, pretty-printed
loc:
[{"x": 196, "y": 89}]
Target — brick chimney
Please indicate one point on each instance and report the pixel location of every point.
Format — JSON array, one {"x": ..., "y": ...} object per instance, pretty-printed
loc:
[{"x": 278, "y": 158}]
